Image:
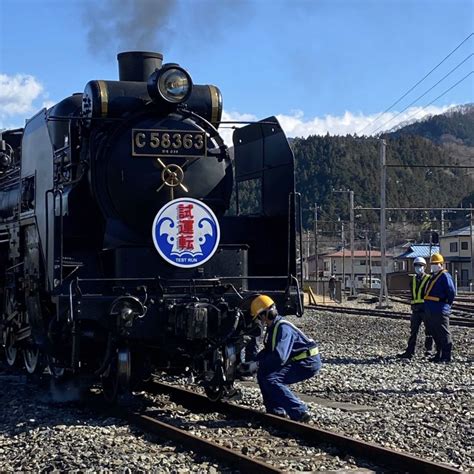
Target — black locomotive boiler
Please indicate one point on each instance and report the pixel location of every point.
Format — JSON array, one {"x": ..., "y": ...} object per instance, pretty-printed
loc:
[{"x": 100, "y": 191}]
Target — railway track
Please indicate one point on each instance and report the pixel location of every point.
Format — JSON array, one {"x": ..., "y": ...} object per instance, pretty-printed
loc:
[
  {"x": 404, "y": 295},
  {"x": 259, "y": 430},
  {"x": 464, "y": 307},
  {"x": 454, "y": 320}
]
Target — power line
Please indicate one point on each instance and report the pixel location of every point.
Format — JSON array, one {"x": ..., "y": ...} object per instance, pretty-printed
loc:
[
  {"x": 419, "y": 82},
  {"x": 422, "y": 95},
  {"x": 439, "y": 97}
]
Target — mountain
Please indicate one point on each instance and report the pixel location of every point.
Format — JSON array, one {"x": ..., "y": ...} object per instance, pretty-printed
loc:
[
  {"x": 454, "y": 126},
  {"x": 324, "y": 163}
]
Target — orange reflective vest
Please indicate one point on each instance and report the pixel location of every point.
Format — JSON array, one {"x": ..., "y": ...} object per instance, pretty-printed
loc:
[{"x": 430, "y": 287}]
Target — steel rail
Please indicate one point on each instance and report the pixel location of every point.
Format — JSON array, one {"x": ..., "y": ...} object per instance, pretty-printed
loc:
[
  {"x": 394, "y": 460},
  {"x": 198, "y": 444},
  {"x": 454, "y": 320},
  {"x": 462, "y": 300},
  {"x": 459, "y": 304}
]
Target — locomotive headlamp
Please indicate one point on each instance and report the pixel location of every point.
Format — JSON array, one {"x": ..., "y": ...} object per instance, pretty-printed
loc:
[{"x": 171, "y": 83}]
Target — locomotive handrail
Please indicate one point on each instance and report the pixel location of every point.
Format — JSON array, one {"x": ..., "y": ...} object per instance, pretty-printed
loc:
[
  {"x": 299, "y": 216},
  {"x": 300, "y": 305},
  {"x": 296, "y": 198},
  {"x": 215, "y": 133},
  {"x": 242, "y": 122},
  {"x": 14, "y": 266},
  {"x": 71, "y": 301},
  {"x": 54, "y": 192},
  {"x": 186, "y": 280},
  {"x": 52, "y": 118},
  {"x": 47, "y": 192},
  {"x": 236, "y": 291},
  {"x": 61, "y": 231},
  {"x": 289, "y": 232},
  {"x": 71, "y": 306}
]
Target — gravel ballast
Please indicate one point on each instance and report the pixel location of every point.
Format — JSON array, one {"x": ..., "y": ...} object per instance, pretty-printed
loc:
[
  {"x": 420, "y": 407},
  {"x": 39, "y": 434},
  {"x": 416, "y": 406}
]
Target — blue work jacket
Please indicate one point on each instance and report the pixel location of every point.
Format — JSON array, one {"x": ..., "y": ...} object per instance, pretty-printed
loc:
[
  {"x": 283, "y": 345},
  {"x": 440, "y": 293}
]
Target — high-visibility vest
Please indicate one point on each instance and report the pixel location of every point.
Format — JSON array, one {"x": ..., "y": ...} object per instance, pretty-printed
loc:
[
  {"x": 417, "y": 296},
  {"x": 302, "y": 355},
  {"x": 430, "y": 287}
]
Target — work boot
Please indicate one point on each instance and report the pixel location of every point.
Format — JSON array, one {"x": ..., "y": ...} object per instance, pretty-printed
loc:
[
  {"x": 304, "y": 418},
  {"x": 436, "y": 358},
  {"x": 428, "y": 343},
  {"x": 446, "y": 353},
  {"x": 404, "y": 355}
]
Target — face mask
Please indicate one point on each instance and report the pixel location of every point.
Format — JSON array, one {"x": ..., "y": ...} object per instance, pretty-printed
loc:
[
  {"x": 436, "y": 267},
  {"x": 419, "y": 270}
]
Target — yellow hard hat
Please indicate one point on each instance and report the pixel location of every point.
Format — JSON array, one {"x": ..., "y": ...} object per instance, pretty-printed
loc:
[
  {"x": 436, "y": 258},
  {"x": 259, "y": 304}
]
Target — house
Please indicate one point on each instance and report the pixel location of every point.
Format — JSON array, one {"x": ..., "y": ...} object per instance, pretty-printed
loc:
[
  {"x": 400, "y": 279},
  {"x": 367, "y": 266},
  {"x": 456, "y": 248},
  {"x": 405, "y": 260}
]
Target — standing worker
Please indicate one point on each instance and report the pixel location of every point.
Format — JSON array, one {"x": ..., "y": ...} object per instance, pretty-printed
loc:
[
  {"x": 439, "y": 297},
  {"x": 332, "y": 287},
  {"x": 418, "y": 287},
  {"x": 288, "y": 357}
]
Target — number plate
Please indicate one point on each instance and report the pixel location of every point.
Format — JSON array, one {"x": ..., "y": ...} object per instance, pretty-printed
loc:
[{"x": 164, "y": 143}]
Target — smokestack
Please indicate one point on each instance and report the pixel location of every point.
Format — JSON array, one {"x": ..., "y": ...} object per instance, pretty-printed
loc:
[{"x": 138, "y": 65}]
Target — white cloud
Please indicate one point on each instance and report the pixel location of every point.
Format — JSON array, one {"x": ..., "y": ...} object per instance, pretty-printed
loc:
[
  {"x": 297, "y": 125},
  {"x": 226, "y": 130},
  {"x": 48, "y": 104},
  {"x": 17, "y": 94}
]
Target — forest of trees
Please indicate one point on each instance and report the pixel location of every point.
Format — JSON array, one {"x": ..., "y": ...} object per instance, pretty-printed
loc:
[{"x": 327, "y": 163}]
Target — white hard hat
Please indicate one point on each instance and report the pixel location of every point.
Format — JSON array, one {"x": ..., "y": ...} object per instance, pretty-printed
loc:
[{"x": 419, "y": 261}]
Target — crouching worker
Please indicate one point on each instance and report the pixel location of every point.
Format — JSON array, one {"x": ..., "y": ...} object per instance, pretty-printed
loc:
[{"x": 288, "y": 357}]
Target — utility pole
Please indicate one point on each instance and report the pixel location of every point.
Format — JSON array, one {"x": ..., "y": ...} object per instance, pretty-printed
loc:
[
  {"x": 351, "y": 233},
  {"x": 316, "y": 241},
  {"x": 307, "y": 255},
  {"x": 471, "y": 224},
  {"x": 343, "y": 259},
  {"x": 442, "y": 221},
  {"x": 431, "y": 240},
  {"x": 383, "y": 297},
  {"x": 366, "y": 256},
  {"x": 351, "y": 196},
  {"x": 370, "y": 266}
]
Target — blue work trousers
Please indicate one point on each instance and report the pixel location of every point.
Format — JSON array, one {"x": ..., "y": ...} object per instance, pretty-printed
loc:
[
  {"x": 277, "y": 397},
  {"x": 417, "y": 317},
  {"x": 438, "y": 325}
]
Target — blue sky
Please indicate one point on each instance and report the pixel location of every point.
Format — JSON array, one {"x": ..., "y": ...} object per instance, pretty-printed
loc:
[{"x": 321, "y": 65}]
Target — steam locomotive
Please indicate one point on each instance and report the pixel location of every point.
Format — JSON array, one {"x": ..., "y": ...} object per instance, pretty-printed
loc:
[{"x": 132, "y": 239}]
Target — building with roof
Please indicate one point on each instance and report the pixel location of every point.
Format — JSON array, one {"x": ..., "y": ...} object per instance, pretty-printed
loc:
[
  {"x": 405, "y": 260},
  {"x": 367, "y": 266},
  {"x": 456, "y": 248}
]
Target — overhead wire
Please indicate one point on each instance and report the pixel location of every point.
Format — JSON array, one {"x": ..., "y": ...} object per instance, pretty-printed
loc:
[
  {"x": 422, "y": 95},
  {"x": 439, "y": 97},
  {"x": 419, "y": 82}
]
